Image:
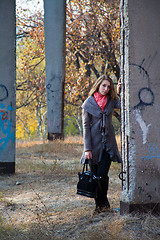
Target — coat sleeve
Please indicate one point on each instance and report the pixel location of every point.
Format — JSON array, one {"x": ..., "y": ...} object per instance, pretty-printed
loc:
[
  {"x": 86, "y": 121},
  {"x": 117, "y": 104}
]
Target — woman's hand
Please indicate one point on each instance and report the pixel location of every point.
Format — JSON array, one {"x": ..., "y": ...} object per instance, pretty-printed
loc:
[
  {"x": 119, "y": 87},
  {"x": 88, "y": 155}
]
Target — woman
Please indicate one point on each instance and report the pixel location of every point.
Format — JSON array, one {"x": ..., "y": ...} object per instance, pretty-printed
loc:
[{"x": 99, "y": 136}]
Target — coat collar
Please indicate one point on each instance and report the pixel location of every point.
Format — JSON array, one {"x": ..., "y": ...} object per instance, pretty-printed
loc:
[{"x": 92, "y": 107}]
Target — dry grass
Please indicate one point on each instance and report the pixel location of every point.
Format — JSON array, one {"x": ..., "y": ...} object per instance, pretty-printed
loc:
[
  {"x": 68, "y": 140},
  {"x": 40, "y": 200}
]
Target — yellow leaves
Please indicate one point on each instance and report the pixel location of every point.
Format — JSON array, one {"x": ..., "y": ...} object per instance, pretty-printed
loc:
[{"x": 26, "y": 124}]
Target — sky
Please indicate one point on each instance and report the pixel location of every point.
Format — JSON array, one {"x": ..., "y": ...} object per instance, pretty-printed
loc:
[{"x": 32, "y": 5}]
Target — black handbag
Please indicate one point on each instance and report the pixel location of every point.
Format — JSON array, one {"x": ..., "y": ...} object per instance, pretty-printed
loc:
[{"x": 88, "y": 182}]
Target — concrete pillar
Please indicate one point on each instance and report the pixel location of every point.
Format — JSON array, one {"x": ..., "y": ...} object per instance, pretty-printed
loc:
[
  {"x": 140, "y": 65},
  {"x": 54, "y": 20},
  {"x": 7, "y": 85}
]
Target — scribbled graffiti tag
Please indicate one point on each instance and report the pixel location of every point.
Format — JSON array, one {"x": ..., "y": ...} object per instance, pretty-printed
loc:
[
  {"x": 144, "y": 127},
  {"x": 145, "y": 96},
  {"x": 5, "y": 126},
  {"x": 153, "y": 152}
]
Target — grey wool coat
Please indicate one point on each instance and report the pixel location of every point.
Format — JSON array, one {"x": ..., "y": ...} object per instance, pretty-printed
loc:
[{"x": 92, "y": 129}]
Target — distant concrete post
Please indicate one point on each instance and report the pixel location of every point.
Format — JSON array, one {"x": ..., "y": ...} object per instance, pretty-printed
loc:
[
  {"x": 140, "y": 74},
  {"x": 54, "y": 20},
  {"x": 7, "y": 85}
]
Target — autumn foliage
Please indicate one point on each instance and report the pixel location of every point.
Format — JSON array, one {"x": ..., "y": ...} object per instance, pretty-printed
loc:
[{"x": 92, "y": 49}]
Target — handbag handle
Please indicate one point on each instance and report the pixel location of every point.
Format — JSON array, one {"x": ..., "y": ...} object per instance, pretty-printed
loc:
[
  {"x": 90, "y": 165},
  {"x": 85, "y": 165},
  {"x": 91, "y": 172},
  {"x": 87, "y": 161}
]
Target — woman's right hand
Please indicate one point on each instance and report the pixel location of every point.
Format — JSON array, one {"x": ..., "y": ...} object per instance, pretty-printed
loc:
[
  {"x": 119, "y": 87},
  {"x": 88, "y": 155}
]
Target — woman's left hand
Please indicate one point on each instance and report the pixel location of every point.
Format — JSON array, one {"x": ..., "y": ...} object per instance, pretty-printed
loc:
[{"x": 88, "y": 154}]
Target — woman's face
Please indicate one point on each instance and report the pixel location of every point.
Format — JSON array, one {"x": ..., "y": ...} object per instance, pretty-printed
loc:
[{"x": 104, "y": 87}]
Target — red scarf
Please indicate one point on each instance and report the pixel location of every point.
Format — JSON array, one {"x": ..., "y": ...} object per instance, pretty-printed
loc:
[{"x": 101, "y": 100}]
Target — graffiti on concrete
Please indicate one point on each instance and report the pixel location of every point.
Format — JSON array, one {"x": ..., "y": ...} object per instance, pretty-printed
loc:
[
  {"x": 140, "y": 190},
  {"x": 146, "y": 98},
  {"x": 144, "y": 66},
  {"x": 152, "y": 152},
  {"x": 55, "y": 103},
  {"x": 51, "y": 92},
  {"x": 142, "y": 124},
  {"x": 145, "y": 95},
  {"x": 3, "y": 92},
  {"x": 53, "y": 83},
  {"x": 6, "y": 132}
]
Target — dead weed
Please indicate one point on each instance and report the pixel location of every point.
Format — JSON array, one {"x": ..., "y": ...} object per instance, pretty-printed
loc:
[{"x": 40, "y": 200}]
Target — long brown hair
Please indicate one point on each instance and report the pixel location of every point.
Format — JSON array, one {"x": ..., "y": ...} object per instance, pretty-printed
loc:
[{"x": 98, "y": 82}]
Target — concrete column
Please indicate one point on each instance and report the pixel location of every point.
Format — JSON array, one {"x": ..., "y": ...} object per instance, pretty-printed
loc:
[
  {"x": 54, "y": 20},
  {"x": 7, "y": 85},
  {"x": 140, "y": 65}
]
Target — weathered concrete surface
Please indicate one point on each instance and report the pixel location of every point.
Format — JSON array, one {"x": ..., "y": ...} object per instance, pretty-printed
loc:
[
  {"x": 54, "y": 19},
  {"x": 140, "y": 65},
  {"x": 7, "y": 85}
]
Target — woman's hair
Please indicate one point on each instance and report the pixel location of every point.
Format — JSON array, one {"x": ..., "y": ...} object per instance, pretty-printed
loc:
[{"x": 98, "y": 82}]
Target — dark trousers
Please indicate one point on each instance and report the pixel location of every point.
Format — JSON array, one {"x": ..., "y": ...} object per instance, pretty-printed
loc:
[{"x": 101, "y": 170}]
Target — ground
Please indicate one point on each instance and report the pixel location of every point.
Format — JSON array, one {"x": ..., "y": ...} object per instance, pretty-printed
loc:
[{"x": 40, "y": 202}]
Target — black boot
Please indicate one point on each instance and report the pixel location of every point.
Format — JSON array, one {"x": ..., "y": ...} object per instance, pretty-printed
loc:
[
  {"x": 102, "y": 203},
  {"x": 105, "y": 184}
]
